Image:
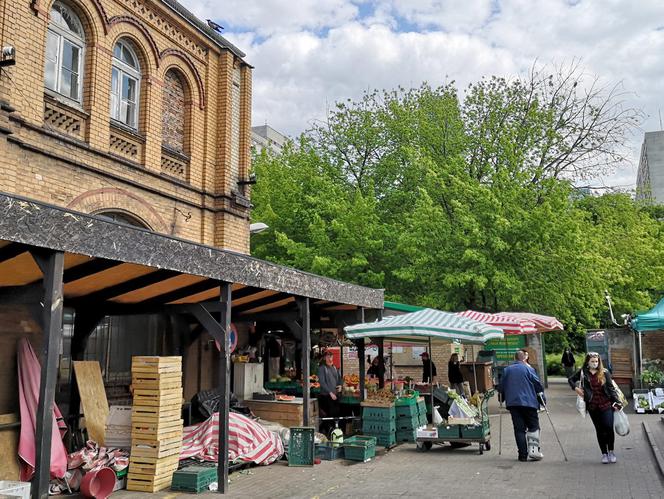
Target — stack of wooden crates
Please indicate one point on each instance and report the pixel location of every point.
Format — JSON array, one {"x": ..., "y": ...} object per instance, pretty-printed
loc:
[{"x": 156, "y": 424}]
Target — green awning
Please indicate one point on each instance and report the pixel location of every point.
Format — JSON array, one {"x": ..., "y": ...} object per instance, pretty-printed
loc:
[
  {"x": 426, "y": 323},
  {"x": 649, "y": 321}
]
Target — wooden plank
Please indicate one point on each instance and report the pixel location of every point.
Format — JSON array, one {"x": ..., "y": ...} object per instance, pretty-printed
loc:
[
  {"x": 9, "y": 465},
  {"x": 93, "y": 398},
  {"x": 106, "y": 279},
  {"x": 153, "y": 412}
]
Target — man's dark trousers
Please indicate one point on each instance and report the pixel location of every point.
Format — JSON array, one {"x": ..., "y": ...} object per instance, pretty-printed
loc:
[{"x": 523, "y": 419}]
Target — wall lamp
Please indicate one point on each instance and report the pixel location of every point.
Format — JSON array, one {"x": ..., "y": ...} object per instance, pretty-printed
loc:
[
  {"x": 250, "y": 181},
  {"x": 258, "y": 227},
  {"x": 8, "y": 56}
]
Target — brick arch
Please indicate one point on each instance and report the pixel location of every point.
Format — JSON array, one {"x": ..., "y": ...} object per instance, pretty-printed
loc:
[
  {"x": 115, "y": 199},
  {"x": 93, "y": 18},
  {"x": 173, "y": 58},
  {"x": 129, "y": 27}
]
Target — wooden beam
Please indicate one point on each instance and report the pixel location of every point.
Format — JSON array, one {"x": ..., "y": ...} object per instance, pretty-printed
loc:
[
  {"x": 280, "y": 304},
  {"x": 265, "y": 300},
  {"x": 127, "y": 286},
  {"x": 305, "y": 321},
  {"x": 88, "y": 268},
  {"x": 225, "y": 387},
  {"x": 11, "y": 251},
  {"x": 52, "y": 265},
  {"x": 206, "y": 320},
  {"x": 360, "y": 356}
]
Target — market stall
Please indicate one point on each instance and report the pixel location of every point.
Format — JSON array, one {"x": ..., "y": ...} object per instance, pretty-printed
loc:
[{"x": 397, "y": 409}]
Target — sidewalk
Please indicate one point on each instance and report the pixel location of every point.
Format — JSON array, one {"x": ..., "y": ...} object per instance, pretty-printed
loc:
[{"x": 446, "y": 472}]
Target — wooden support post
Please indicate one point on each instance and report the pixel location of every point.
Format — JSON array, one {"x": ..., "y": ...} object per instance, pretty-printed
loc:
[
  {"x": 381, "y": 355},
  {"x": 305, "y": 317},
  {"x": 52, "y": 265},
  {"x": 224, "y": 386}
]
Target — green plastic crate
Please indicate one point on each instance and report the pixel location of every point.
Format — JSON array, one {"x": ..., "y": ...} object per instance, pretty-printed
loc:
[
  {"x": 379, "y": 413},
  {"x": 421, "y": 407},
  {"x": 422, "y": 419},
  {"x": 329, "y": 452},
  {"x": 406, "y": 411},
  {"x": 386, "y": 440},
  {"x": 479, "y": 431},
  {"x": 408, "y": 423},
  {"x": 301, "y": 450},
  {"x": 406, "y": 435},
  {"x": 372, "y": 427},
  {"x": 360, "y": 448},
  {"x": 349, "y": 400},
  {"x": 193, "y": 479},
  {"x": 451, "y": 431},
  {"x": 408, "y": 401}
]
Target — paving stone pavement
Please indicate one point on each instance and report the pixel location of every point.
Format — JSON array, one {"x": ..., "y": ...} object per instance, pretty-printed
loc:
[{"x": 447, "y": 472}]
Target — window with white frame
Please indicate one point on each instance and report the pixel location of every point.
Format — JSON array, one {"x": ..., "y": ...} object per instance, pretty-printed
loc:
[
  {"x": 125, "y": 84},
  {"x": 65, "y": 42}
]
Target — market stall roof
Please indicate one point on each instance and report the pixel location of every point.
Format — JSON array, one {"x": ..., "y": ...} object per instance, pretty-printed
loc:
[
  {"x": 508, "y": 323},
  {"x": 121, "y": 267},
  {"x": 543, "y": 323},
  {"x": 650, "y": 320},
  {"x": 428, "y": 323}
]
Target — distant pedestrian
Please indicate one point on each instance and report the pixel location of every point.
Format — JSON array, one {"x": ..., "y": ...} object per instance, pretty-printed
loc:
[
  {"x": 520, "y": 387},
  {"x": 454, "y": 375},
  {"x": 569, "y": 362},
  {"x": 595, "y": 385}
]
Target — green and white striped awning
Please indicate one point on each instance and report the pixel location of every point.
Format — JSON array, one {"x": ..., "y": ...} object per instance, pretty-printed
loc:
[{"x": 424, "y": 324}]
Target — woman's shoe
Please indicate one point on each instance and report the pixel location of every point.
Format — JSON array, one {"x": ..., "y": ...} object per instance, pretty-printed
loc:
[
  {"x": 605, "y": 459},
  {"x": 612, "y": 457}
]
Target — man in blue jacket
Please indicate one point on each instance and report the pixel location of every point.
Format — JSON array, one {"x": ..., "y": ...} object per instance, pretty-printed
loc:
[{"x": 520, "y": 387}]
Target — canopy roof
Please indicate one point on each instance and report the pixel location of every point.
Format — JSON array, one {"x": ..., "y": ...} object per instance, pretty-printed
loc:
[
  {"x": 651, "y": 320},
  {"x": 132, "y": 270},
  {"x": 543, "y": 323},
  {"x": 424, "y": 324}
]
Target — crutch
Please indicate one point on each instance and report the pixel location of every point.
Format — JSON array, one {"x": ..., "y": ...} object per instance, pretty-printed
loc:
[
  {"x": 540, "y": 396},
  {"x": 500, "y": 425}
]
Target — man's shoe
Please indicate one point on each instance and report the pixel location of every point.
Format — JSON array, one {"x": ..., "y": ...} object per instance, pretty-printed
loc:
[
  {"x": 605, "y": 459},
  {"x": 612, "y": 457},
  {"x": 523, "y": 459}
]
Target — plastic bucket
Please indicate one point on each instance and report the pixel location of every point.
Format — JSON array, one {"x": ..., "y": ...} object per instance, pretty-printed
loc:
[{"x": 98, "y": 484}]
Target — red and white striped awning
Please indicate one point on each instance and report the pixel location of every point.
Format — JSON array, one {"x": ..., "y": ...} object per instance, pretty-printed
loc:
[
  {"x": 516, "y": 322},
  {"x": 508, "y": 323}
]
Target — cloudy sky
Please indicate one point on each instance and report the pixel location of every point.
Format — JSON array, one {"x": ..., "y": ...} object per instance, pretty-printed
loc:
[{"x": 309, "y": 53}]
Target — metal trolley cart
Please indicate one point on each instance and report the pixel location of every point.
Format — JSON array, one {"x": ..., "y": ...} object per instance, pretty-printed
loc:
[{"x": 463, "y": 435}]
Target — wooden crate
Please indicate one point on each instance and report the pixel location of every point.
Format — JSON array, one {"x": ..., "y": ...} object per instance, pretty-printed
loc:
[
  {"x": 158, "y": 398},
  {"x": 286, "y": 413},
  {"x": 156, "y": 365},
  {"x": 152, "y": 381},
  {"x": 148, "y": 483},
  {"x": 157, "y": 466},
  {"x": 152, "y": 412},
  {"x": 148, "y": 447},
  {"x": 157, "y": 430}
]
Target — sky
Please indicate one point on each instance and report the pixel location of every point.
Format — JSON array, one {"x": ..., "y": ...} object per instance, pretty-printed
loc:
[{"x": 308, "y": 54}]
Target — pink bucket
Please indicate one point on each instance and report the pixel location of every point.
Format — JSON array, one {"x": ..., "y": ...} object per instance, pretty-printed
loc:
[{"x": 98, "y": 484}]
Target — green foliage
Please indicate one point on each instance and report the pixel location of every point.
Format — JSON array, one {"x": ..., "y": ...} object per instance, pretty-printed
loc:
[
  {"x": 466, "y": 203},
  {"x": 554, "y": 366},
  {"x": 652, "y": 377}
]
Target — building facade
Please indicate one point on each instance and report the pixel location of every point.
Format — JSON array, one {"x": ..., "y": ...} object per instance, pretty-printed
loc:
[
  {"x": 128, "y": 109},
  {"x": 650, "y": 176},
  {"x": 266, "y": 137}
]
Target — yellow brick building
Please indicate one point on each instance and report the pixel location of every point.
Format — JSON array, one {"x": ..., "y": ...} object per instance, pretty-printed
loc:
[{"x": 131, "y": 109}]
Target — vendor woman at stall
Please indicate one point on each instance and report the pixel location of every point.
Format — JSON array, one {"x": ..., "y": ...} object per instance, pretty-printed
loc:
[{"x": 329, "y": 378}]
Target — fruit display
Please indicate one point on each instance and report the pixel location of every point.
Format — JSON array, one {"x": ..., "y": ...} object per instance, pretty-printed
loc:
[
  {"x": 382, "y": 395},
  {"x": 351, "y": 379},
  {"x": 643, "y": 402}
]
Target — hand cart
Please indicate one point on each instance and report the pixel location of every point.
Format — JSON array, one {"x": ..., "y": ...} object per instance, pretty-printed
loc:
[{"x": 464, "y": 435}]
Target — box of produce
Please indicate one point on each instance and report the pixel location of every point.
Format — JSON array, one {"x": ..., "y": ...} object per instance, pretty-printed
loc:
[
  {"x": 427, "y": 433},
  {"x": 409, "y": 397},
  {"x": 642, "y": 400},
  {"x": 474, "y": 431},
  {"x": 379, "y": 397}
]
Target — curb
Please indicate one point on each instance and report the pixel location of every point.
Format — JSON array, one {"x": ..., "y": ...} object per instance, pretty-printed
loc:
[{"x": 655, "y": 449}]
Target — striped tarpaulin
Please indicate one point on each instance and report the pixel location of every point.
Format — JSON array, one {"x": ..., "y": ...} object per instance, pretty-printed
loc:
[
  {"x": 543, "y": 323},
  {"x": 248, "y": 441},
  {"x": 427, "y": 323},
  {"x": 508, "y": 323}
]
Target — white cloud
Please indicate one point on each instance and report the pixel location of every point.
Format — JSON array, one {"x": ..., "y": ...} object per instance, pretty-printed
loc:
[{"x": 309, "y": 53}]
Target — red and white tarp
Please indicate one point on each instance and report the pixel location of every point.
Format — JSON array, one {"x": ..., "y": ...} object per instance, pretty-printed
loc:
[{"x": 248, "y": 441}]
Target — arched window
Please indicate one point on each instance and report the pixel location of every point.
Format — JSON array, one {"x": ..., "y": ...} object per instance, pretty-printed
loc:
[
  {"x": 122, "y": 217},
  {"x": 174, "y": 112},
  {"x": 65, "y": 41},
  {"x": 125, "y": 84}
]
